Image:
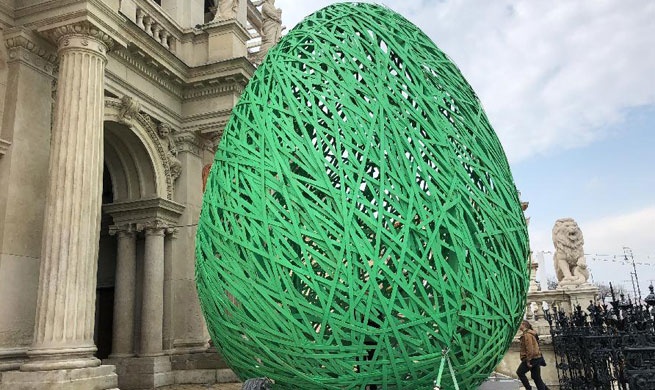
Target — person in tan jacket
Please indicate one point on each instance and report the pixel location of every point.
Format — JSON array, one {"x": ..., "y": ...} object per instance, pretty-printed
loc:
[{"x": 531, "y": 358}]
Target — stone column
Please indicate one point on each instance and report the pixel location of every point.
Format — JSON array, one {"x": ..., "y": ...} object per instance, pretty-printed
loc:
[
  {"x": 123, "y": 328},
  {"x": 169, "y": 311},
  {"x": 63, "y": 332},
  {"x": 152, "y": 307}
]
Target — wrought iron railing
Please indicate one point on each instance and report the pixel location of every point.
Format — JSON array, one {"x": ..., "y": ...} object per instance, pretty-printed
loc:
[{"x": 609, "y": 347}]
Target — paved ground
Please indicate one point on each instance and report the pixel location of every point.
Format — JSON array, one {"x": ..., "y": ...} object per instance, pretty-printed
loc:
[{"x": 222, "y": 386}]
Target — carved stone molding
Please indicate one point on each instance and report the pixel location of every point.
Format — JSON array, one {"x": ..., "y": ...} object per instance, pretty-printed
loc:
[
  {"x": 189, "y": 142},
  {"x": 140, "y": 62},
  {"x": 212, "y": 139},
  {"x": 154, "y": 228},
  {"x": 156, "y": 213},
  {"x": 23, "y": 45},
  {"x": 123, "y": 228},
  {"x": 4, "y": 147},
  {"x": 151, "y": 129},
  {"x": 81, "y": 35},
  {"x": 215, "y": 87}
]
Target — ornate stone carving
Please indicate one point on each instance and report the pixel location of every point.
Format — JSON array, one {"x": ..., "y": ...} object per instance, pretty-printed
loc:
[
  {"x": 155, "y": 226},
  {"x": 227, "y": 9},
  {"x": 189, "y": 142},
  {"x": 570, "y": 265},
  {"x": 83, "y": 34},
  {"x": 23, "y": 45},
  {"x": 128, "y": 110},
  {"x": 151, "y": 130},
  {"x": 122, "y": 228},
  {"x": 271, "y": 28},
  {"x": 166, "y": 134}
]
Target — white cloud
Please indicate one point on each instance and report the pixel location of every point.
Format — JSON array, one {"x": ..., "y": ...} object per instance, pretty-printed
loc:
[
  {"x": 635, "y": 230},
  {"x": 604, "y": 240},
  {"x": 551, "y": 75}
]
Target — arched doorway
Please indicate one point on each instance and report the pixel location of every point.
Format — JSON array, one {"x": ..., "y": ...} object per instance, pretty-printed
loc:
[{"x": 134, "y": 177}]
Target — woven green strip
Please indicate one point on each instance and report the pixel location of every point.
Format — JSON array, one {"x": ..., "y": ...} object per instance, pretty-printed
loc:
[{"x": 360, "y": 216}]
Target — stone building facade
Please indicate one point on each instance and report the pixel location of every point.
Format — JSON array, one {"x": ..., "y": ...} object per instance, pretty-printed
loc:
[{"x": 110, "y": 110}]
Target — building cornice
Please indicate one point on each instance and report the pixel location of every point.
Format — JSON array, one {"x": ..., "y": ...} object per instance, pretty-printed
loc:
[
  {"x": 140, "y": 62},
  {"x": 144, "y": 213},
  {"x": 153, "y": 107}
]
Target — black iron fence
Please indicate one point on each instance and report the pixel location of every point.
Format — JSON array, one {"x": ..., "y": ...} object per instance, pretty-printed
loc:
[{"x": 610, "y": 348}]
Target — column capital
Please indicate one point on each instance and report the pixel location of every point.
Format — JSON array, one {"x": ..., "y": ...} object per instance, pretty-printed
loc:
[
  {"x": 81, "y": 35},
  {"x": 25, "y": 46},
  {"x": 123, "y": 230},
  {"x": 188, "y": 142},
  {"x": 153, "y": 228}
]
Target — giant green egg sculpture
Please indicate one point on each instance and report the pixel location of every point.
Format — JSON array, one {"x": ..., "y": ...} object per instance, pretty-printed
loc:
[{"x": 360, "y": 223}]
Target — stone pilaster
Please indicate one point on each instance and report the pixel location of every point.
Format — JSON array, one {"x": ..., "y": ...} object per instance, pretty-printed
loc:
[
  {"x": 123, "y": 328},
  {"x": 191, "y": 334},
  {"x": 152, "y": 308},
  {"x": 63, "y": 332},
  {"x": 30, "y": 64}
]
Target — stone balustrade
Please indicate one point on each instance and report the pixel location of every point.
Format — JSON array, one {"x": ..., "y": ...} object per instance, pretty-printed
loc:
[{"x": 154, "y": 26}]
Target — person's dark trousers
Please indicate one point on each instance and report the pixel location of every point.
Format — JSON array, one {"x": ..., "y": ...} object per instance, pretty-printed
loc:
[{"x": 535, "y": 373}]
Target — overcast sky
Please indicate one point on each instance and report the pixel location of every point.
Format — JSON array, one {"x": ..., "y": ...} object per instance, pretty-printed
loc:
[{"x": 569, "y": 86}]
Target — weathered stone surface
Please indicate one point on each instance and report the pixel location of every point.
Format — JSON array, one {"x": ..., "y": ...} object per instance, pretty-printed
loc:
[
  {"x": 90, "y": 378},
  {"x": 225, "y": 375},
  {"x": 195, "y": 376}
]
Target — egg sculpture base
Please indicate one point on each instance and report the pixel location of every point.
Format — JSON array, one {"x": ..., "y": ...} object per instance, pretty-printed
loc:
[{"x": 360, "y": 224}]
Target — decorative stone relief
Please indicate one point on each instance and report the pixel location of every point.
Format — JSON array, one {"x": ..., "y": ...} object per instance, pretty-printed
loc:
[
  {"x": 82, "y": 31},
  {"x": 24, "y": 46},
  {"x": 166, "y": 134},
  {"x": 150, "y": 127},
  {"x": 189, "y": 142},
  {"x": 155, "y": 224},
  {"x": 129, "y": 110},
  {"x": 122, "y": 228},
  {"x": 570, "y": 265}
]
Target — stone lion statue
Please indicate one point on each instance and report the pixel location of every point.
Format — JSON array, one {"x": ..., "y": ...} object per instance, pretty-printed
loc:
[{"x": 570, "y": 265}]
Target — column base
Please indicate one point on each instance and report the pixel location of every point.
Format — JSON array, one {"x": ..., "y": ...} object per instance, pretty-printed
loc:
[
  {"x": 93, "y": 378},
  {"x": 190, "y": 346},
  {"x": 12, "y": 358},
  {"x": 47, "y": 359},
  {"x": 143, "y": 372},
  {"x": 180, "y": 369}
]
